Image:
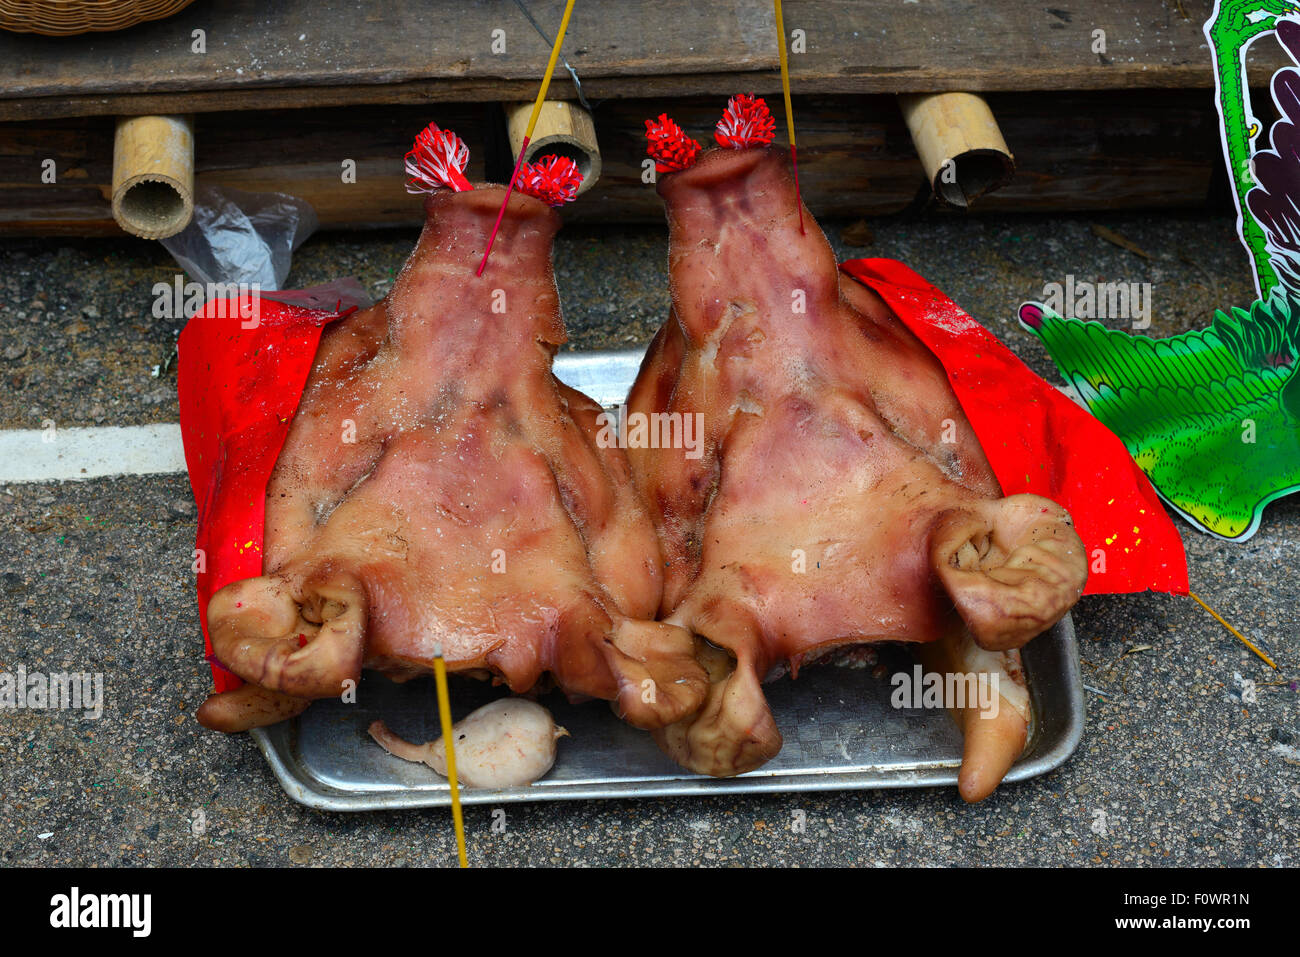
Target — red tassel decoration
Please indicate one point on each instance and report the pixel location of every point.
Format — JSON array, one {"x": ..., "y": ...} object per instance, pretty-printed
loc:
[
  {"x": 437, "y": 161},
  {"x": 747, "y": 122},
  {"x": 552, "y": 179},
  {"x": 669, "y": 146}
]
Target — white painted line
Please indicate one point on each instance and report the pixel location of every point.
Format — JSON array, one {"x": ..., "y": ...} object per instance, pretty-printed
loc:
[
  {"x": 26, "y": 456},
  {"x": 29, "y": 455}
]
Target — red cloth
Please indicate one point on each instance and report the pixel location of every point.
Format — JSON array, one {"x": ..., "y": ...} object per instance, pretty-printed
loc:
[
  {"x": 238, "y": 390},
  {"x": 1038, "y": 441}
]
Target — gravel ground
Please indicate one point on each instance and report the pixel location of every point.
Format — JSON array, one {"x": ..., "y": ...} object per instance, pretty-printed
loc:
[
  {"x": 94, "y": 576},
  {"x": 79, "y": 341}
]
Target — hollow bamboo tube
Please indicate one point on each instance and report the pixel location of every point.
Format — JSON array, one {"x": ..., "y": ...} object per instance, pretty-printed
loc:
[
  {"x": 961, "y": 148},
  {"x": 564, "y": 129},
  {"x": 153, "y": 174}
]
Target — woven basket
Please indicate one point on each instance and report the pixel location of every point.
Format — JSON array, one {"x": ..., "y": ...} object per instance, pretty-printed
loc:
[{"x": 61, "y": 18}]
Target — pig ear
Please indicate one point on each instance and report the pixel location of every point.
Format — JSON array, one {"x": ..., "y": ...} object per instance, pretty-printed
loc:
[
  {"x": 995, "y": 727},
  {"x": 248, "y": 706},
  {"x": 733, "y": 732},
  {"x": 659, "y": 680},
  {"x": 1013, "y": 567},
  {"x": 302, "y": 645}
]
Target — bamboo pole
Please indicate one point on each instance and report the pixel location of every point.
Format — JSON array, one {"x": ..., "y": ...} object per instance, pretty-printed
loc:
[
  {"x": 959, "y": 143},
  {"x": 153, "y": 174},
  {"x": 564, "y": 129}
]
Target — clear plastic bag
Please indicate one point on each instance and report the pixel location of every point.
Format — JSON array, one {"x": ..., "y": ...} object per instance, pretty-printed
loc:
[
  {"x": 249, "y": 239},
  {"x": 242, "y": 237}
]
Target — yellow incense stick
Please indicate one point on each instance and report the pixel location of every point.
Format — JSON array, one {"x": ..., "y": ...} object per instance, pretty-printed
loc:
[
  {"x": 546, "y": 77},
  {"x": 444, "y": 714},
  {"x": 785, "y": 70},
  {"x": 1244, "y": 640},
  {"x": 789, "y": 110},
  {"x": 528, "y": 133}
]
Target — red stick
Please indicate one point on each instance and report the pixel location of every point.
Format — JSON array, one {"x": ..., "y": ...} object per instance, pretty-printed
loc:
[
  {"x": 794, "y": 163},
  {"x": 523, "y": 148}
]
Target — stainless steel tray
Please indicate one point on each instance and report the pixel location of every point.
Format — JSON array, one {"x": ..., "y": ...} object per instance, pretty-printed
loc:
[{"x": 840, "y": 729}]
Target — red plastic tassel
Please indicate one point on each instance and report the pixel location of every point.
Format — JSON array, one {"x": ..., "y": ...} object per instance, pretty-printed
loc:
[
  {"x": 747, "y": 122},
  {"x": 437, "y": 161},
  {"x": 669, "y": 146},
  {"x": 552, "y": 179}
]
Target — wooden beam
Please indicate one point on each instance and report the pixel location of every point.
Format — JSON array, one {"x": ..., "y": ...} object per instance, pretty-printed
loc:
[{"x": 304, "y": 54}]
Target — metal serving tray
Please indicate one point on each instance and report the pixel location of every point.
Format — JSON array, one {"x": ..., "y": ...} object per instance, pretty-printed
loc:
[{"x": 840, "y": 729}]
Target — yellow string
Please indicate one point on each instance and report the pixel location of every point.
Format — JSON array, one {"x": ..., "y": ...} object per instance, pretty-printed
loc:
[
  {"x": 785, "y": 71},
  {"x": 550, "y": 68},
  {"x": 1244, "y": 640},
  {"x": 444, "y": 714},
  {"x": 528, "y": 134}
]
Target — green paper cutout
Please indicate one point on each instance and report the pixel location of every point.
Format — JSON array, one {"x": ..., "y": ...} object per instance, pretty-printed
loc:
[{"x": 1213, "y": 416}]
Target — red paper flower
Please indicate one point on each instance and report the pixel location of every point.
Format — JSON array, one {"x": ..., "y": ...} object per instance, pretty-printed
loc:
[
  {"x": 437, "y": 161},
  {"x": 669, "y": 146},
  {"x": 747, "y": 122},
  {"x": 552, "y": 179}
]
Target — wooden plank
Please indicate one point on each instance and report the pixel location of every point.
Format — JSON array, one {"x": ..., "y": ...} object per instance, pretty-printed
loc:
[
  {"x": 1077, "y": 151},
  {"x": 313, "y": 53}
]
